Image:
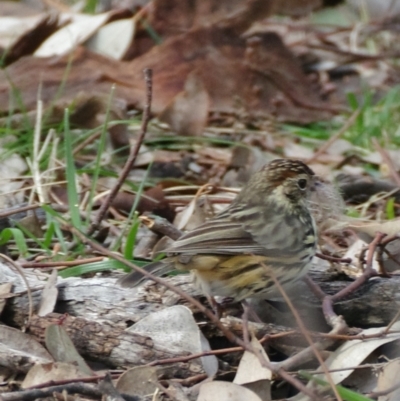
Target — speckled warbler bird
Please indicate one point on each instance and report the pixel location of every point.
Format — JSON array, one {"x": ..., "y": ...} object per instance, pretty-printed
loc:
[{"x": 268, "y": 230}]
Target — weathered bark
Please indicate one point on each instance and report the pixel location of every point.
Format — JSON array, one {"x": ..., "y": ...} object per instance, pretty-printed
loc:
[
  {"x": 100, "y": 311},
  {"x": 111, "y": 344}
]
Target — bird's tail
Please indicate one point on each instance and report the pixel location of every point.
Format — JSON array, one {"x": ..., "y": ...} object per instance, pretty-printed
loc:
[{"x": 135, "y": 278}]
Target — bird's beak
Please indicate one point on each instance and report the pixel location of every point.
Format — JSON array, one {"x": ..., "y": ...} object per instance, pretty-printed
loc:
[{"x": 316, "y": 183}]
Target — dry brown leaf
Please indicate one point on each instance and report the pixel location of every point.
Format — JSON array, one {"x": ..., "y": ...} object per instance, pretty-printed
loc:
[
  {"x": 266, "y": 82},
  {"x": 271, "y": 63},
  {"x": 90, "y": 74},
  {"x": 139, "y": 381},
  {"x": 53, "y": 371},
  {"x": 225, "y": 391},
  {"x": 174, "y": 328},
  {"x": 352, "y": 353},
  {"x": 29, "y": 34},
  {"x": 62, "y": 349},
  {"x": 187, "y": 113},
  {"x": 20, "y": 351},
  {"x": 368, "y": 230},
  {"x": 113, "y": 39},
  {"x": 49, "y": 295},
  {"x": 252, "y": 375},
  {"x": 171, "y": 17},
  {"x": 80, "y": 28},
  {"x": 389, "y": 376},
  {"x": 5, "y": 290}
]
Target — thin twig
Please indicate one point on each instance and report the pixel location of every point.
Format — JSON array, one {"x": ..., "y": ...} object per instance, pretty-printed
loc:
[
  {"x": 88, "y": 379},
  {"x": 314, "y": 347},
  {"x": 379, "y": 258},
  {"x": 187, "y": 358},
  {"x": 189, "y": 381},
  {"x": 235, "y": 325},
  {"x": 131, "y": 159},
  {"x": 334, "y": 137},
  {"x": 392, "y": 322},
  {"x": 315, "y": 288},
  {"x": 328, "y": 300},
  {"x": 382, "y": 249},
  {"x": 61, "y": 263},
  {"x": 161, "y": 226},
  {"x": 374, "y": 366},
  {"x": 376, "y": 394},
  {"x": 16, "y": 210},
  {"x": 306, "y": 354},
  {"x": 333, "y": 258},
  {"x": 388, "y": 160},
  {"x": 390, "y": 238},
  {"x": 86, "y": 142},
  {"x": 368, "y": 272}
]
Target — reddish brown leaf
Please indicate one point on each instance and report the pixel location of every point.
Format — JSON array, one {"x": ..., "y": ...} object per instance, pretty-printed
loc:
[
  {"x": 261, "y": 77},
  {"x": 172, "y": 17}
]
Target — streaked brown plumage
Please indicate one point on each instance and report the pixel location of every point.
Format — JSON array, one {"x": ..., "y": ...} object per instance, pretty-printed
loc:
[{"x": 266, "y": 230}]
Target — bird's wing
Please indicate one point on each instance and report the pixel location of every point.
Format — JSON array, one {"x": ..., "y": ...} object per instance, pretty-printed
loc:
[
  {"x": 216, "y": 237},
  {"x": 242, "y": 229}
]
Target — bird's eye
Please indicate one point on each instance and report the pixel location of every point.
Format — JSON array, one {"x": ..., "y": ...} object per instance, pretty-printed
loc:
[{"x": 302, "y": 183}]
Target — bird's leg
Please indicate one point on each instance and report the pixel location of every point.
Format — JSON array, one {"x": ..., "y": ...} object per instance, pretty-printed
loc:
[
  {"x": 245, "y": 322},
  {"x": 249, "y": 311},
  {"x": 217, "y": 308}
]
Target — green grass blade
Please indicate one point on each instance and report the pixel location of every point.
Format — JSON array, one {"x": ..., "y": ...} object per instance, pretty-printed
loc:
[
  {"x": 35, "y": 239},
  {"x": 73, "y": 199},
  {"x": 390, "y": 209},
  {"x": 102, "y": 144},
  {"x": 53, "y": 218},
  {"x": 49, "y": 234},
  {"x": 131, "y": 237},
  {"x": 151, "y": 31},
  {"x": 90, "y": 6},
  {"x": 345, "y": 393},
  {"x": 15, "y": 233}
]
